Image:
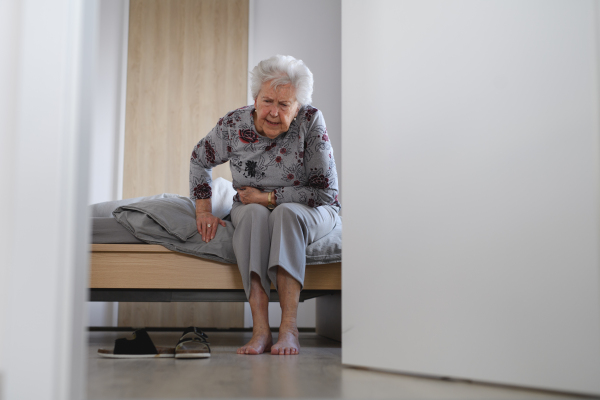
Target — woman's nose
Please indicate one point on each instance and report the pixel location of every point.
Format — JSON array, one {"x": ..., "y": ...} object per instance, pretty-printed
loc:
[{"x": 273, "y": 111}]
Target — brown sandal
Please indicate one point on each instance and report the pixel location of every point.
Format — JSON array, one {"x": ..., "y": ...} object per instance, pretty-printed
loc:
[{"x": 192, "y": 344}]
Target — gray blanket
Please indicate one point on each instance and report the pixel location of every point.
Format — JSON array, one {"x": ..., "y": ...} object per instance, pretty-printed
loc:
[{"x": 171, "y": 222}]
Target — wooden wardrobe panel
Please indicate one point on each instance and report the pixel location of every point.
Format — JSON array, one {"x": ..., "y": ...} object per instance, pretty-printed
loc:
[
  {"x": 213, "y": 315},
  {"x": 187, "y": 67}
]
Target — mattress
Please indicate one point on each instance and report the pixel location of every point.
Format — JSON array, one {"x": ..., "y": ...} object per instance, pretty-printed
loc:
[{"x": 169, "y": 220}]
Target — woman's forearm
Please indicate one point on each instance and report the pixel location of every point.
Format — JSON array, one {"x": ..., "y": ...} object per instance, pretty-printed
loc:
[
  {"x": 250, "y": 195},
  {"x": 307, "y": 195},
  {"x": 203, "y": 205}
]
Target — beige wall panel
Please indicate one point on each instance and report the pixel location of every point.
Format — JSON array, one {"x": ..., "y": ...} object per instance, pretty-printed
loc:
[{"x": 187, "y": 67}]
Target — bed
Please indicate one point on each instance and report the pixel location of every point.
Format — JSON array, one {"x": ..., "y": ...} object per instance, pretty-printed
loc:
[{"x": 125, "y": 268}]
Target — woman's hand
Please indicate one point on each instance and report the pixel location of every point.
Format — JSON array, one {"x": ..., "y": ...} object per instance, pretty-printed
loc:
[
  {"x": 251, "y": 195},
  {"x": 207, "y": 225},
  {"x": 205, "y": 221}
]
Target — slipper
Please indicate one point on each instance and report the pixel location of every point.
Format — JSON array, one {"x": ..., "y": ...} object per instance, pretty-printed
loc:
[
  {"x": 192, "y": 344},
  {"x": 140, "y": 346}
]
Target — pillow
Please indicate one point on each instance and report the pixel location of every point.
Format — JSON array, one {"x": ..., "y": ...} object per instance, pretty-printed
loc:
[
  {"x": 176, "y": 216},
  {"x": 222, "y": 200},
  {"x": 222, "y": 197},
  {"x": 106, "y": 208}
]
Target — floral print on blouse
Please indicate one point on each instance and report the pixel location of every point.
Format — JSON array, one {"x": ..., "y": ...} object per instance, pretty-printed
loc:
[{"x": 298, "y": 164}]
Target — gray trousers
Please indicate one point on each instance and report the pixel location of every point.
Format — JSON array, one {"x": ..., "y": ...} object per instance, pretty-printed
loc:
[{"x": 265, "y": 239}]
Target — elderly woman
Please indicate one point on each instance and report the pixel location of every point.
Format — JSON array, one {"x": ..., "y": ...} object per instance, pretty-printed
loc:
[{"x": 284, "y": 173}]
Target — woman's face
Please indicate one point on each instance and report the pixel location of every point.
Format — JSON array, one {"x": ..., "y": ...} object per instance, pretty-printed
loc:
[{"x": 275, "y": 109}]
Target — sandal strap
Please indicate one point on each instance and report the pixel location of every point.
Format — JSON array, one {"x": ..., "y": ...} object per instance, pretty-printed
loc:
[
  {"x": 140, "y": 344},
  {"x": 195, "y": 339},
  {"x": 193, "y": 334}
]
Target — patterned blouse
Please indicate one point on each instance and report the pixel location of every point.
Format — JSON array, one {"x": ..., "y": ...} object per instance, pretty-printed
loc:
[{"x": 298, "y": 164}]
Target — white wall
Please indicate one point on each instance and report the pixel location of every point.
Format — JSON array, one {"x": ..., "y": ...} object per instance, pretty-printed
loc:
[
  {"x": 108, "y": 123},
  {"x": 476, "y": 125},
  {"x": 109, "y": 107},
  {"x": 45, "y": 98},
  {"x": 310, "y": 31},
  {"x": 9, "y": 38}
]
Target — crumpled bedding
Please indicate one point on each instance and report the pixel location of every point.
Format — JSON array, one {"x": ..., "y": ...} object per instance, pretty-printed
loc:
[{"x": 169, "y": 220}]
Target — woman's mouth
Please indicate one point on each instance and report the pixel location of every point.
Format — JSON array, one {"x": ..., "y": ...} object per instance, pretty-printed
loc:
[{"x": 272, "y": 123}]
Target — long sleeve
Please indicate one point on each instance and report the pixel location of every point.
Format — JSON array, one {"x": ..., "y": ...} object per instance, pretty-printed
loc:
[
  {"x": 320, "y": 184},
  {"x": 208, "y": 153}
]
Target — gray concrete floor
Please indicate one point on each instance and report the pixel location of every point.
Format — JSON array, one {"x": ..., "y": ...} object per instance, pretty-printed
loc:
[{"x": 315, "y": 373}]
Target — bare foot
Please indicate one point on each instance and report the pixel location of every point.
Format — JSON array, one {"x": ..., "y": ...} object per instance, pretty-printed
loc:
[
  {"x": 287, "y": 343},
  {"x": 261, "y": 341}
]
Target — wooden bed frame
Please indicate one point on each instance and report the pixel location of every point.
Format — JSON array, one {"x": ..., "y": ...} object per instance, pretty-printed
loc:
[{"x": 144, "y": 272}]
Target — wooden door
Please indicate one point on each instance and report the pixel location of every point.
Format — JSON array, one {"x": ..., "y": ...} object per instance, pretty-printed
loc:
[{"x": 187, "y": 66}]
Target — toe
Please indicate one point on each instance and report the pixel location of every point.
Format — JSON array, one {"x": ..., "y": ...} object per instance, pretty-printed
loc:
[{"x": 287, "y": 351}]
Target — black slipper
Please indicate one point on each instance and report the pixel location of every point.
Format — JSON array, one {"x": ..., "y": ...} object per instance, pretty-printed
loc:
[{"x": 140, "y": 346}]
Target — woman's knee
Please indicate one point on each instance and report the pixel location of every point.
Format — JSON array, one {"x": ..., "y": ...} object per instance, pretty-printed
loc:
[
  {"x": 252, "y": 211},
  {"x": 285, "y": 211}
]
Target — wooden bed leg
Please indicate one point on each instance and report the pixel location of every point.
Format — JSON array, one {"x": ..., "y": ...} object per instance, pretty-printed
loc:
[{"x": 329, "y": 316}]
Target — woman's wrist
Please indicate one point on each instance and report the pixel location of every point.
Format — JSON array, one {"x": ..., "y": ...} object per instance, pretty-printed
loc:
[
  {"x": 271, "y": 201},
  {"x": 203, "y": 206}
]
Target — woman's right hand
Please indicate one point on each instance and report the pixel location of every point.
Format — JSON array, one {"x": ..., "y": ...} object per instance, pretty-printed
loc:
[{"x": 207, "y": 225}]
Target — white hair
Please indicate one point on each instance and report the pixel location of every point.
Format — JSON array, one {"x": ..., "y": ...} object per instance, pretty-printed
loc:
[{"x": 282, "y": 70}]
